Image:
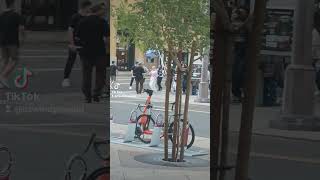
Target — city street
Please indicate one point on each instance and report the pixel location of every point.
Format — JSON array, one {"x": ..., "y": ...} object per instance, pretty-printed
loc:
[{"x": 42, "y": 133}]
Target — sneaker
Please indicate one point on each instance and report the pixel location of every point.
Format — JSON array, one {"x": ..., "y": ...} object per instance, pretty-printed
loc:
[
  {"x": 66, "y": 83},
  {"x": 130, "y": 87}
]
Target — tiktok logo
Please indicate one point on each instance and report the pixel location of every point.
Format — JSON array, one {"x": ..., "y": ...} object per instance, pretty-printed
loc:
[{"x": 21, "y": 81}]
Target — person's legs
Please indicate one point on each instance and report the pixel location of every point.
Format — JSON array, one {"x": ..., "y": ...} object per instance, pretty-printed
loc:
[
  {"x": 131, "y": 82},
  {"x": 100, "y": 78},
  {"x": 141, "y": 85},
  {"x": 86, "y": 77},
  {"x": 159, "y": 79},
  {"x": 137, "y": 85},
  {"x": 70, "y": 62}
]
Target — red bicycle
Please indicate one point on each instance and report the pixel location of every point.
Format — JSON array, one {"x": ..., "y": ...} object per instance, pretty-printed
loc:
[{"x": 145, "y": 123}]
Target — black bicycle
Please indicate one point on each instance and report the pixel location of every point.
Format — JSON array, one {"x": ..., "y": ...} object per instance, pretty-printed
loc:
[{"x": 102, "y": 173}]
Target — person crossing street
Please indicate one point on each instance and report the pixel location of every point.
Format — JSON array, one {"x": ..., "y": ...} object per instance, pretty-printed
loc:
[
  {"x": 74, "y": 40},
  {"x": 93, "y": 34}
]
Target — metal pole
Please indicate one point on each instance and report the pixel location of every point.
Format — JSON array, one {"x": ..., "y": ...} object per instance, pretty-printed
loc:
[{"x": 204, "y": 84}]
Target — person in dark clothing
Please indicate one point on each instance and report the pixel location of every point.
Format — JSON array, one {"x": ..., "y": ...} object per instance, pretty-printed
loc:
[
  {"x": 184, "y": 79},
  {"x": 11, "y": 33},
  {"x": 240, "y": 17},
  {"x": 93, "y": 35},
  {"x": 160, "y": 77},
  {"x": 74, "y": 40},
  {"x": 132, "y": 75},
  {"x": 113, "y": 72},
  {"x": 138, "y": 72}
]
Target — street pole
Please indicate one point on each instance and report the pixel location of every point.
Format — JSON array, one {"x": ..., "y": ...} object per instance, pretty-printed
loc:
[
  {"x": 298, "y": 107},
  {"x": 204, "y": 84}
]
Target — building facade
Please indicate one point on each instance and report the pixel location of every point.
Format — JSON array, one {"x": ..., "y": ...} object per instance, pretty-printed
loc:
[{"x": 125, "y": 56}]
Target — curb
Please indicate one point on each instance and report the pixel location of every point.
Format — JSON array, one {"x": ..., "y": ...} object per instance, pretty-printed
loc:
[{"x": 281, "y": 137}]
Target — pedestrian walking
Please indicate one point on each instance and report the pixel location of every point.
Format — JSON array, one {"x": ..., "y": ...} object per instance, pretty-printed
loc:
[
  {"x": 160, "y": 72},
  {"x": 184, "y": 79},
  {"x": 74, "y": 40},
  {"x": 12, "y": 35},
  {"x": 153, "y": 78},
  {"x": 113, "y": 72},
  {"x": 139, "y": 71},
  {"x": 132, "y": 75},
  {"x": 93, "y": 34},
  {"x": 239, "y": 18}
]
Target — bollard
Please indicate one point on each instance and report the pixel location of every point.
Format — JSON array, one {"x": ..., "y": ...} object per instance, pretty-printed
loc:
[
  {"x": 156, "y": 134},
  {"x": 131, "y": 127}
]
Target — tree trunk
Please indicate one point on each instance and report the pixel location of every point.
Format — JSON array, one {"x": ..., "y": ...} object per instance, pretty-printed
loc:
[
  {"x": 176, "y": 116},
  {"x": 226, "y": 106},
  {"x": 186, "y": 104},
  {"x": 248, "y": 105},
  {"x": 218, "y": 80},
  {"x": 166, "y": 111}
]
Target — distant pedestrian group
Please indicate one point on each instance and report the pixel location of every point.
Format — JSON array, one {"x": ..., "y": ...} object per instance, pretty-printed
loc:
[{"x": 139, "y": 73}]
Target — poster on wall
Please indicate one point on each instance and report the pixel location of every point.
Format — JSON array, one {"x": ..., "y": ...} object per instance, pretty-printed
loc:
[{"x": 278, "y": 30}]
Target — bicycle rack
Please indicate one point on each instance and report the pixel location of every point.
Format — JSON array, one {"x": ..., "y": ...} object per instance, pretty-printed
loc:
[
  {"x": 156, "y": 134},
  {"x": 6, "y": 171},
  {"x": 131, "y": 131}
]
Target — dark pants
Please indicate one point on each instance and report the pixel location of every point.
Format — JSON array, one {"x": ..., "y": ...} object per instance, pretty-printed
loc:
[
  {"x": 139, "y": 85},
  {"x": 159, "y": 80},
  {"x": 269, "y": 91},
  {"x": 131, "y": 82},
  {"x": 184, "y": 85},
  {"x": 238, "y": 70},
  {"x": 70, "y": 62},
  {"x": 87, "y": 67}
]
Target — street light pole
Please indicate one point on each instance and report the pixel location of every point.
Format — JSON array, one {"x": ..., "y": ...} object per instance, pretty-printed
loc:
[{"x": 204, "y": 84}]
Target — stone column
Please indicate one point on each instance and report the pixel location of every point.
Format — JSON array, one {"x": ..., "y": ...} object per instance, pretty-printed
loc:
[
  {"x": 298, "y": 108},
  {"x": 204, "y": 84}
]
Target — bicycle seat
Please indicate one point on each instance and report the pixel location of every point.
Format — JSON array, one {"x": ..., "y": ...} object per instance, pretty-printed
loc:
[{"x": 148, "y": 91}]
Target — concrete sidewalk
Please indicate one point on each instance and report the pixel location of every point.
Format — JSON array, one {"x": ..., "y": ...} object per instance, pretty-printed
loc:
[{"x": 125, "y": 166}]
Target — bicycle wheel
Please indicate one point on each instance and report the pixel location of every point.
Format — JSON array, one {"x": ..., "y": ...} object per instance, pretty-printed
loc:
[
  {"x": 144, "y": 130},
  {"x": 191, "y": 134},
  {"x": 100, "y": 174}
]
